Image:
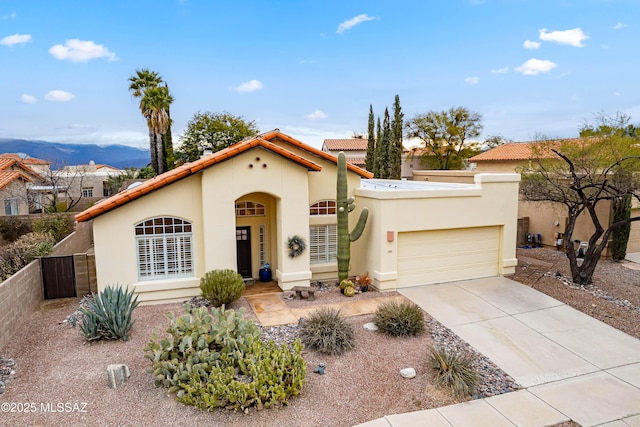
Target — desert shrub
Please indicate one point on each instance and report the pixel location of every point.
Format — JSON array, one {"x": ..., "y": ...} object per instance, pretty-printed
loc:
[
  {"x": 11, "y": 228},
  {"x": 18, "y": 254},
  {"x": 399, "y": 318},
  {"x": 221, "y": 287},
  {"x": 59, "y": 225},
  {"x": 454, "y": 372},
  {"x": 216, "y": 359},
  {"x": 109, "y": 315},
  {"x": 327, "y": 331}
]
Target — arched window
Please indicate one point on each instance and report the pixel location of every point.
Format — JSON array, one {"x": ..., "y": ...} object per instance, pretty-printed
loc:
[
  {"x": 323, "y": 207},
  {"x": 165, "y": 248},
  {"x": 249, "y": 209}
]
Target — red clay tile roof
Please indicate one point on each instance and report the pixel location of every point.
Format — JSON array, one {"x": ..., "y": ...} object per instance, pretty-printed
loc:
[
  {"x": 27, "y": 161},
  {"x": 6, "y": 163},
  {"x": 358, "y": 161},
  {"x": 189, "y": 169},
  {"x": 516, "y": 151},
  {"x": 351, "y": 144},
  {"x": 7, "y": 177}
]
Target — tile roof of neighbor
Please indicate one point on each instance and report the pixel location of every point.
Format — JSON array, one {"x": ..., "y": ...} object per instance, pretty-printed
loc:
[
  {"x": 351, "y": 144},
  {"x": 188, "y": 169},
  {"x": 8, "y": 176},
  {"x": 6, "y": 163},
  {"x": 26, "y": 161},
  {"x": 516, "y": 151}
]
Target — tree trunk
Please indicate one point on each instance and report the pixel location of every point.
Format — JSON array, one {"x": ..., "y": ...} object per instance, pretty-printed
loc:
[
  {"x": 160, "y": 154},
  {"x": 153, "y": 151}
]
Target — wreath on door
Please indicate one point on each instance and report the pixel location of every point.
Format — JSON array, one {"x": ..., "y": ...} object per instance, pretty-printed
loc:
[{"x": 296, "y": 245}]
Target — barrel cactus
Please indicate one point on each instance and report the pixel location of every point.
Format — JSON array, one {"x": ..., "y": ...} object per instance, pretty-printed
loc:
[{"x": 346, "y": 205}]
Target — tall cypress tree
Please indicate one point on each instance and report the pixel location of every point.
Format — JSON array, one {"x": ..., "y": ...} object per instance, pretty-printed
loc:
[
  {"x": 395, "y": 144},
  {"x": 370, "y": 159},
  {"x": 382, "y": 150},
  {"x": 378, "y": 155}
]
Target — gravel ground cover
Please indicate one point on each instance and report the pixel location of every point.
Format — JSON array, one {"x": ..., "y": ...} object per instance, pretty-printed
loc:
[{"x": 53, "y": 377}]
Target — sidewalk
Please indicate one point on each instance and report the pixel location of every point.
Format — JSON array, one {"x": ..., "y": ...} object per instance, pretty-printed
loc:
[{"x": 572, "y": 367}]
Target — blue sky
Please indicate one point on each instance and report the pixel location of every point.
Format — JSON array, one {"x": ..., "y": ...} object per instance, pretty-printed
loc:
[{"x": 311, "y": 68}]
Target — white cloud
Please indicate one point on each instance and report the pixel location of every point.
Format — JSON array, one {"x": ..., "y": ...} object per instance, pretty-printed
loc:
[
  {"x": 472, "y": 80},
  {"x": 616, "y": 93},
  {"x": 535, "y": 66},
  {"x": 76, "y": 50},
  {"x": 619, "y": 26},
  {"x": 350, "y": 23},
  {"x": 317, "y": 115},
  {"x": 10, "y": 16},
  {"x": 530, "y": 44},
  {"x": 250, "y": 86},
  {"x": 27, "y": 99},
  {"x": 59, "y": 96},
  {"x": 573, "y": 37},
  {"x": 16, "y": 39},
  {"x": 500, "y": 70}
]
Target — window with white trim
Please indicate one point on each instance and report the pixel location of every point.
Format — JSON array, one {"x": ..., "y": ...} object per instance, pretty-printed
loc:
[
  {"x": 87, "y": 191},
  {"x": 323, "y": 207},
  {"x": 165, "y": 248},
  {"x": 323, "y": 243},
  {"x": 249, "y": 209},
  {"x": 11, "y": 207}
]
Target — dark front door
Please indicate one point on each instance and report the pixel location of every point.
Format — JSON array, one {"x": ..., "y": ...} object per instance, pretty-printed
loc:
[
  {"x": 243, "y": 250},
  {"x": 58, "y": 277}
]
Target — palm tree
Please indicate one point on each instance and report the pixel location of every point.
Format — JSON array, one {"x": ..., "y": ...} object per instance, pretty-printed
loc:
[{"x": 155, "y": 109}]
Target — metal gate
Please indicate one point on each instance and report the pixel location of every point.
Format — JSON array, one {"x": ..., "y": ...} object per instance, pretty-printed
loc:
[{"x": 58, "y": 277}]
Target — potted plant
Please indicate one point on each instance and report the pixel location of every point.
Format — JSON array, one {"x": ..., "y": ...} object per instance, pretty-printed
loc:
[{"x": 363, "y": 282}]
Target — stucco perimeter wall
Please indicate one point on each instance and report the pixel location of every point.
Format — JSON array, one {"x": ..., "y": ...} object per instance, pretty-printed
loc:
[
  {"x": 491, "y": 202},
  {"x": 549, "y": 218}
]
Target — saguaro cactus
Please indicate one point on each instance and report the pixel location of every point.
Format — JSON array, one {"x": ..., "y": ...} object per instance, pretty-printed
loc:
[{"x": 346, "y": 205}]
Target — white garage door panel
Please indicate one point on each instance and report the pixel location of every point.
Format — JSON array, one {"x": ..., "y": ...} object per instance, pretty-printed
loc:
[
  {"x": 445, "y": 255},
  {"x": 634, "y": 238}
]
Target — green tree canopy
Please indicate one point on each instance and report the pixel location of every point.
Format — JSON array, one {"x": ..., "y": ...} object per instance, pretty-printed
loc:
[
  {"x": 445, "y": 136},
  {"x": 212, "y": 131}
]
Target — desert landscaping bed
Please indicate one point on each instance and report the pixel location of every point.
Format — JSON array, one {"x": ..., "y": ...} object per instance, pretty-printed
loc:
[{"x": 54, "y": 365}]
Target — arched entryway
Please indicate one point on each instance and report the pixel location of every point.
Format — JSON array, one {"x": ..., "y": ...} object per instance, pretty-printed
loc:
[{"x": 255, "y": 233}]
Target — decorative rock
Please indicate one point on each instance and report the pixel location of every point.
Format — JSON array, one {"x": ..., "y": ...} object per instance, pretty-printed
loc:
[
  {"x": 370, "y": 326},
  {"x": 408, "y": 373},
  {"x": 320, "y": 369},
  {"x": 117, "y": 374}
]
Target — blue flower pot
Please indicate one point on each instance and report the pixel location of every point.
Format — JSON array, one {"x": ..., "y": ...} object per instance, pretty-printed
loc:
[{"x": 265, "y": 274}]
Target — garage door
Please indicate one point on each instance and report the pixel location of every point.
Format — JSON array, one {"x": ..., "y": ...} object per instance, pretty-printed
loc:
[{"x": 426, "y": 257}]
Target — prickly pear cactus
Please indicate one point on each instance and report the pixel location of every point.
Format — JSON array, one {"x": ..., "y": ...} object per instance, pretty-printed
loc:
[{"x": 346, "y": 205}]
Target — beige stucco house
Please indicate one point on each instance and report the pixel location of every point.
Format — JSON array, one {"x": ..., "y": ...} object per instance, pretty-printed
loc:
[{"x": 238, "y": 207}]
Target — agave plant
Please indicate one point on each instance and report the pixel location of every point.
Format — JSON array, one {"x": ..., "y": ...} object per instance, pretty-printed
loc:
[{"x": 109, "y": 315}]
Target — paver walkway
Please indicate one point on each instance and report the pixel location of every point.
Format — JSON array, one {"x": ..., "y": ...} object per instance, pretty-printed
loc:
[
  {"x": 571, "y": 365},
  {"x": 272, "y": 311}
]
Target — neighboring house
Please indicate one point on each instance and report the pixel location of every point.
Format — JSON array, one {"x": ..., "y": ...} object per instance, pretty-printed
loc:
[
  {"x": 88, "y": 183},
  {"x": 17, "y": 177},
  {"x": 546, "y": 218},
  {"x": 238, "y": 208},
  {"x": 355, "y": 149}
]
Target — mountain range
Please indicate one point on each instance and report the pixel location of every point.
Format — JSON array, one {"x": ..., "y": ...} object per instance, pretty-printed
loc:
[{"x": 60, "y": 155}]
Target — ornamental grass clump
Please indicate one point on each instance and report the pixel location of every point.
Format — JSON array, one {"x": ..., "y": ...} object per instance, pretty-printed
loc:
[
  {"x": 454, "y": 372},
  {"x": 109, "y": 315},
  {"x": 327, "y": 331},
  {"x": 399, "y": 319},
  {"x": 221, "y": 287},
  {"x": 215, "y": 359}
]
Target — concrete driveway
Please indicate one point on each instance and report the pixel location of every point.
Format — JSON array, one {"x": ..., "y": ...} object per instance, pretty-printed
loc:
[{"x": 570, "y": 365}]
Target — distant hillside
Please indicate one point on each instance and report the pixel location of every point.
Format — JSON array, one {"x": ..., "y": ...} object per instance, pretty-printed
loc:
[{"x": 120, "y": 156}]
